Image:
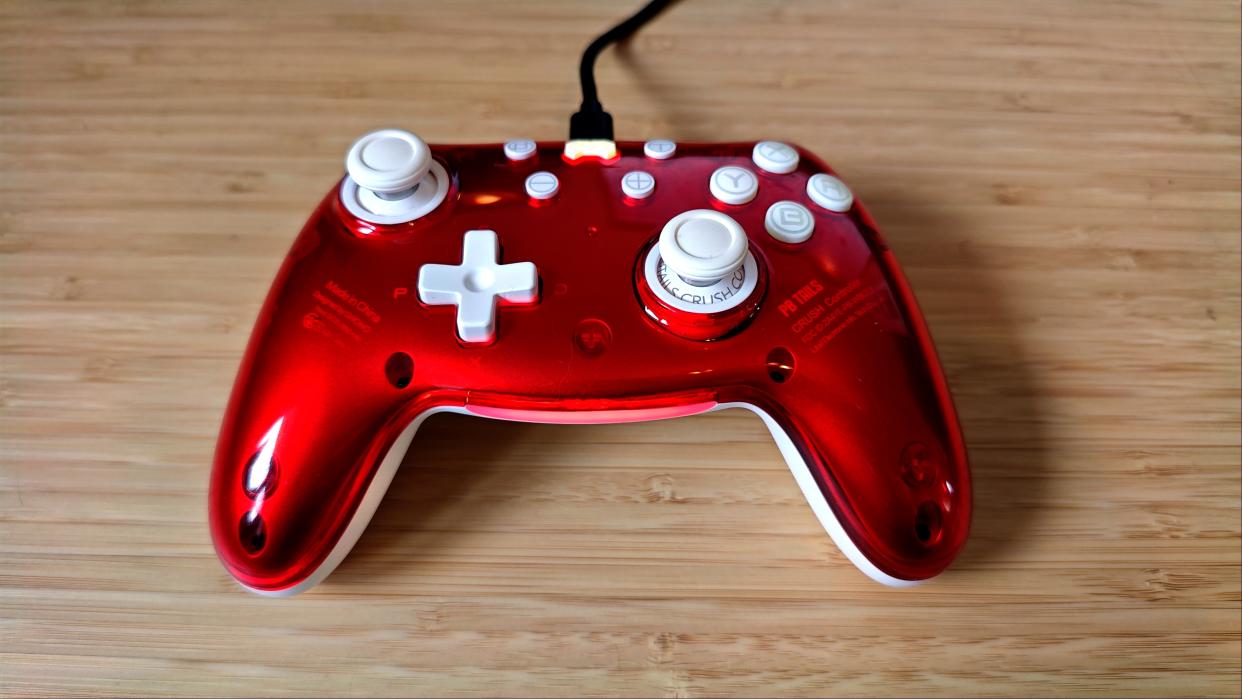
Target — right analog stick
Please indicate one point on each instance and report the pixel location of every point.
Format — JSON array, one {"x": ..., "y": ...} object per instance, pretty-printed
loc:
[
  {"x": 700, "y": 279},
  {"x": 703, "y": 246}
]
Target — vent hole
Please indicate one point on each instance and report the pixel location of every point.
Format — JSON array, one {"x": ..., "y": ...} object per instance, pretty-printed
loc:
[
  {"x": 252, "y": 532},
  {"x": 929, "y": 524},
  {"x": 399, "y": 369},
  {"x": 780, "y": 365},
  {"x": 922, "y": 531}
]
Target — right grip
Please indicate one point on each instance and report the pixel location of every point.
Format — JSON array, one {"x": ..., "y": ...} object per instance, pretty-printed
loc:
[{"x": 888, "y": 481}]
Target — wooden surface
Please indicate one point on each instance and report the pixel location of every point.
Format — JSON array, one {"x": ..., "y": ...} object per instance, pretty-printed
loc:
[{"x": 1060, "y": 180}]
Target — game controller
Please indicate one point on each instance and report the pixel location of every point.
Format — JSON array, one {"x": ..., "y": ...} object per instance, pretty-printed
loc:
[{"x": 586, "y": 282}]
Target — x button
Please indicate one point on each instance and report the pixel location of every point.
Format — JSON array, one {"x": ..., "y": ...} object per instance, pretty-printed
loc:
[{"x": 775, "y": 157}]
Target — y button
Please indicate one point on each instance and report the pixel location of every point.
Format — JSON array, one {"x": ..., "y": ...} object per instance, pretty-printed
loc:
[{"x": 734, "y": 185}]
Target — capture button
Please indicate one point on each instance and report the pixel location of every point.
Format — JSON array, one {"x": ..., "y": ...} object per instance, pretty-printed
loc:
[
  {"x": 659, "y": 149},
  {"x": 734, "y": 185},
  {"x": 829, "y": 192},
  {"x": 775, "y": 157},
  {"x": 789, "y": 222},
  {"x": 519, "y": 149}
]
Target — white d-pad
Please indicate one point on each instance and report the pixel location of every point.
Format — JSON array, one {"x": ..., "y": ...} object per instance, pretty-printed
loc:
[{"x": 475, "y": 285}]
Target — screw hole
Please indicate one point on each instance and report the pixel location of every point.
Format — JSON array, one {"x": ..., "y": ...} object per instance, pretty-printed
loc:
[
  {"x": 399, "y": 369},
  {"x": 929, "y": 524},
  {"x": 918, "y": 465},
  {"x": 922, "y": 531},
  {"x": 252, "y": 532},
  {"x": 780, "y": 365}
]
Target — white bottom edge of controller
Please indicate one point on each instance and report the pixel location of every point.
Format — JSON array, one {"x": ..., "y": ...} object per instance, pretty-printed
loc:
[{"x": 396, "y": 454}]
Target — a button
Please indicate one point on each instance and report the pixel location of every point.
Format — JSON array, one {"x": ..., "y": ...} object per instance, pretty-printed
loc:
[
  {"x": 388, "y": 161},
  {"x": 475, "y": 285},
  {"x": 542, "y": 185},
  {"x": 829, "y": 192},
  {"x": 637, "y": 184},
  {"x": 659, "y": 149},
  {"x": 734, "y": 185},
  {"x": 775, "y": 157},
  {"x": 702, "y": 246},
  {"x": 789, "y": 222},
  {"x": 519, "y": 149}
]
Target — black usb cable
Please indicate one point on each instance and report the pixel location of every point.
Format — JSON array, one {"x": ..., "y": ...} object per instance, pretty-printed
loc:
[{"x": 591, "y": 122}]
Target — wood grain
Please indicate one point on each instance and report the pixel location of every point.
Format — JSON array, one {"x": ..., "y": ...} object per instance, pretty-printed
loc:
[{"x": 1060, "y": 179}]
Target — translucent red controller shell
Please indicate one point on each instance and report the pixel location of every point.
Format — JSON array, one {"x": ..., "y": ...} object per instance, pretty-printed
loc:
[{"x": 836, "y": 354}]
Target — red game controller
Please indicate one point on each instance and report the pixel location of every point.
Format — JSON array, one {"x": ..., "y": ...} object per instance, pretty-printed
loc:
[{"x": 586, "y": 282}]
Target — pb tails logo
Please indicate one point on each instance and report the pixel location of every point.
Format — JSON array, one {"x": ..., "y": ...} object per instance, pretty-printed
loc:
[{"x": 791, "y": 305}]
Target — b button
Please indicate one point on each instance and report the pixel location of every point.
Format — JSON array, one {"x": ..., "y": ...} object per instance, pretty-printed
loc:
[{"x": 789, "y": 222}]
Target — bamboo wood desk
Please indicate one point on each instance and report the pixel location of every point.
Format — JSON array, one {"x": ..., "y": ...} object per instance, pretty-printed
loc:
[{"x": 1060, "y": 180}]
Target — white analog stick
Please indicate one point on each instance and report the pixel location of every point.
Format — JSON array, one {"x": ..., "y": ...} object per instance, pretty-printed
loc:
[
  {"x": 703, "y": 246},
  {"x": 388, "y": 161}
]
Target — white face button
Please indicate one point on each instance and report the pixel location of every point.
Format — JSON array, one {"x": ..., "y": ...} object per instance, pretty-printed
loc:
[
  {"x": 789, "y": 222},
  {"x": 829, "y": 192},
  {"x": 734, "y": 185},
  {"x": 637, "y": 184},
  {"x": 702, "y": 246},
  {"x": 388, "y": 161},
  {"x": 476, "y": 284},
  {"x": 519, "y": 149},
  {"x": 542, "y": 185},
  {"x": 659, "y": 149},
  {"x": 775, "y": 157}
]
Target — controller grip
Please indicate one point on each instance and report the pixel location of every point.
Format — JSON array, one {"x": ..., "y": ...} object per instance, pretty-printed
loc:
[
  {"x": 890, "y": 483},
  {"x": 308, "y": 443}
]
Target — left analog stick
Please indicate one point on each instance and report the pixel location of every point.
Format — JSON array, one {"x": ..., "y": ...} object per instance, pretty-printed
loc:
[
  {"x": 388, "y": 161},
  {"x": 392, "y": 178}
]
